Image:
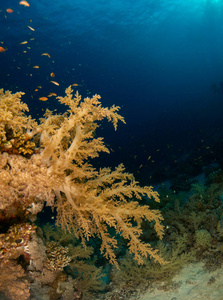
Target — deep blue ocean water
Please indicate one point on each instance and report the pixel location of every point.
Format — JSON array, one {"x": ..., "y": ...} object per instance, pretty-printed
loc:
[{"x": 161, "y": 61}]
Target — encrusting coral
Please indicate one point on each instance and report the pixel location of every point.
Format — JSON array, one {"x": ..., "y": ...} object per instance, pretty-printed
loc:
[
  {"x": 12, "y": 282},
  {"x": 88, "y": 201}
]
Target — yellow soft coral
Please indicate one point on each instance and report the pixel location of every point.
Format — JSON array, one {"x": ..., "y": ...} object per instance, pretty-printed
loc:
[
  {"x": 16, "y": 129},
  {"x": 88, "y": 201}
]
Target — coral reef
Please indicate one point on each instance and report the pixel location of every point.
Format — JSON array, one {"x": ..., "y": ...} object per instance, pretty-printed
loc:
[
  {"x": 98, "y": 212},
  {"x": 193, "y": 233},
  {"x": 57, "y": 256},
  {"x": 49, "y": 163},
  {"x": 23, "y": 181},
  {"x": 88, "y": 277},
  {"x": 203, "y": 239},
  {"x": 15, "y": 126},
  {"x": 13, "y": 284},
  {"x": 14, "y": 242},
  {"x": 87, "y": 201}
]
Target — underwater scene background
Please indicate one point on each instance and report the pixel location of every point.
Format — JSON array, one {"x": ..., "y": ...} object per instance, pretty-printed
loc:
[{"x": 161, "y": 61}]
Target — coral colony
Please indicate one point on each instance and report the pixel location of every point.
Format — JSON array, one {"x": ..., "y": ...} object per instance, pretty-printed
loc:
[{"x": 47, "y": 162}]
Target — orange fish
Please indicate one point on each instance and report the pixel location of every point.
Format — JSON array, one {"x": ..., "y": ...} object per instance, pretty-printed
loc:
[
  {"x": 31, "y": 28},
  {"x": 45, "y": 54},
  {"x": 52, "y": 74},
  {"x": 43, "y": 98},
  {"x": 52, "y": 94},
  {"x": 25, "y": 3},
  {"x": 74, "y": 84},
  {"x": 9, "y": 10},
  {"x": 54, "y": 82},
  {"x": 2, "y": 49},
  {"x": 36, "y": 67},
  {"x": 23, "y": 43}
]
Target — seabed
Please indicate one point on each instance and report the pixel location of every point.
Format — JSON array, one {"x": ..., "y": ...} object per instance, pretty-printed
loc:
[{"x": 192, "y": 283}]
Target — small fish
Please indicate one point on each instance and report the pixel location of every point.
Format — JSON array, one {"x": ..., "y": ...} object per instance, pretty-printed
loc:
[
  {"x": 52, "y": 74},
  {"x": 54, "y": 82},
  {"x": 43, "y": 98},
  {"x": 45, "y": 54},
  {"x": 25, "y": 3},
  {"x": 52, "y": 94},
  {"x": 2, "y": 49},
  {"x": 31, "y": 28},
  {"x": 74, "y": 84},
  {"x": 9, "y": 10},
  {"x": 36, "y": 67},
  {"x": 23, "y": 43}
]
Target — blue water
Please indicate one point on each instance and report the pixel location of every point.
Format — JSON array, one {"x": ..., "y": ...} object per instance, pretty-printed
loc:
[{"x": 161, "y": 61}]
